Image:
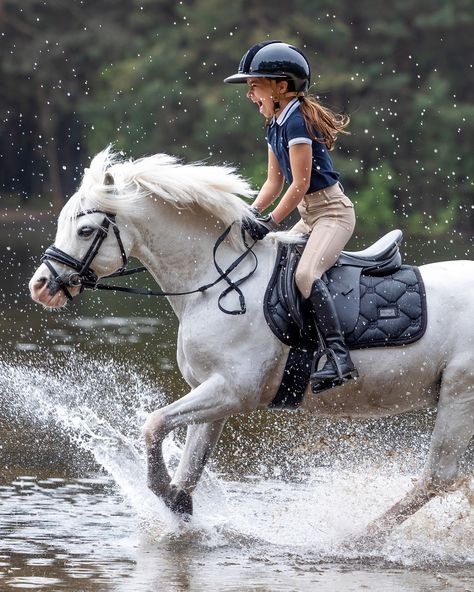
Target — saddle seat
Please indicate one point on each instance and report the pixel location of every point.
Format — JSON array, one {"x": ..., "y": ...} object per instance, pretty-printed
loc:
[{"x": 380, "y": 257}]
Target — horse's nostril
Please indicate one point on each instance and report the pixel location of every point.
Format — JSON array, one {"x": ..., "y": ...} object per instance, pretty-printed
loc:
[{"x": 41, "y": 281}]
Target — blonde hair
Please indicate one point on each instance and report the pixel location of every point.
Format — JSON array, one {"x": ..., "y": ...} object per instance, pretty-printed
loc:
[{"x": 322, "y": 124}]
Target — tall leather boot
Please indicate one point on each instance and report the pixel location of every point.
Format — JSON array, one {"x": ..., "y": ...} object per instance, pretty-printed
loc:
[{"x": 338, "y": 366}]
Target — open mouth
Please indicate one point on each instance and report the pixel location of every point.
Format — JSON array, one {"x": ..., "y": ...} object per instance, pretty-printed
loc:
[{"x": 259, "y": 103}]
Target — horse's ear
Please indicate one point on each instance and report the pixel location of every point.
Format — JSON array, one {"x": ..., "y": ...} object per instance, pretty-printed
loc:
[{"x": 108, "y": 179}]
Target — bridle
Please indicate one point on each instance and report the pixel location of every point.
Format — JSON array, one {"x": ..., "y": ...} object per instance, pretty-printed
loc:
[{"x": 84, "y": 277}]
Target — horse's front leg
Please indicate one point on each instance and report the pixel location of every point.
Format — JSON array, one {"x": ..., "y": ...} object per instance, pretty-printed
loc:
[
  {"x": 210, "y": 403},
  {"x": 200, "y": 442}
]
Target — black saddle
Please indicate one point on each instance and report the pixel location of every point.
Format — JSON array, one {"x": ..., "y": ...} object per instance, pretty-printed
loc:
[{"x": 380, "y": 302}]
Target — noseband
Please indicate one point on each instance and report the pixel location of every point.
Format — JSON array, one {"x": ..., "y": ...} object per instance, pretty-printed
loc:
[{"x": 83, "y": 276}]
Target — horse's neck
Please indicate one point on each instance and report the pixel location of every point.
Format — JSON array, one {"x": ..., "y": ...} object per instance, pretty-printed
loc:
[{"x": 177, "y": 247}]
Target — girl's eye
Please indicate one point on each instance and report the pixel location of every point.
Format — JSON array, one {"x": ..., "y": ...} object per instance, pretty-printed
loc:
[{"x": 85, "y": 231}]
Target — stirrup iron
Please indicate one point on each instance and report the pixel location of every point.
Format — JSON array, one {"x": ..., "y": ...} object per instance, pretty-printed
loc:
[{"x": 339, "y": 379}]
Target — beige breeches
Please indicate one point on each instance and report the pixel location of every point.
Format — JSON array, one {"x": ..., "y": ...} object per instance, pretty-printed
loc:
[{"x": 328, "y": 215}]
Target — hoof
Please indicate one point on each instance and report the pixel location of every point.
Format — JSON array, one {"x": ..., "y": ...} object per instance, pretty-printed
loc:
[{"x": 180, "y": 502}]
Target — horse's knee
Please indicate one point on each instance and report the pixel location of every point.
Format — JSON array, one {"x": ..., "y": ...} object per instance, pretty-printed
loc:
[{"x": 154, "y": 427}]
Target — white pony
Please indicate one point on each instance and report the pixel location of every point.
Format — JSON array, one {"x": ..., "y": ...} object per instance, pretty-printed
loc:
[{"x": 169, "y": 216}]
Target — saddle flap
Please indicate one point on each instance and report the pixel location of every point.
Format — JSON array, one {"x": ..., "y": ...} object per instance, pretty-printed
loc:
[
  {"x": 343, "y": 284},
  {"x": 287, "y": 289},
  {"x": 282, "y": 301},
  {"x": 377, "y": 306}
]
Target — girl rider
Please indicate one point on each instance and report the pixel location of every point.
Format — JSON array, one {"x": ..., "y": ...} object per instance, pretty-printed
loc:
[{"x": 300, "y": 132}]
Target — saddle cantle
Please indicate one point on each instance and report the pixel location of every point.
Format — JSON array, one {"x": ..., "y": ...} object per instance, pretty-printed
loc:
[
  {"x": 382, "y": 256},
  {"x": 380, "y": 302}
]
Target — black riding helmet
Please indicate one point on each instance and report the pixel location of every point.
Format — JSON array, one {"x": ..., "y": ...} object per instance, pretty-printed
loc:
[{"x": 276, "y": 60}]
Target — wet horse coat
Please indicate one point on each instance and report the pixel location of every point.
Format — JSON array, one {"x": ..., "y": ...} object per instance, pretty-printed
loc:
[{"x": 169, "y": 216}]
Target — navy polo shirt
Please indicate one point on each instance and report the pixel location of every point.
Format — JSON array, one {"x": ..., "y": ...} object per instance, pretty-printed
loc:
[{"x": 290, "y": 129}]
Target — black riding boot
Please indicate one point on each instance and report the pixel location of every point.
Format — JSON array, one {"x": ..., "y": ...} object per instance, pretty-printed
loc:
[{"x": 338, "y": 366}]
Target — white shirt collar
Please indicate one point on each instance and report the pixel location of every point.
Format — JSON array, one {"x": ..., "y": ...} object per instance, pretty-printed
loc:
[{"x": 292, "y": 105}]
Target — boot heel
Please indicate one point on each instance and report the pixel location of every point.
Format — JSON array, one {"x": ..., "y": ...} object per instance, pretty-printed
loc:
[
  {"x": 324, "y": 385},
  {"x": 353, "y": 374}
]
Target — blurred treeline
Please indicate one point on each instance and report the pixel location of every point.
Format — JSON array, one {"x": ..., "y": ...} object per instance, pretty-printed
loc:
[{"x": 146, "y": 75}]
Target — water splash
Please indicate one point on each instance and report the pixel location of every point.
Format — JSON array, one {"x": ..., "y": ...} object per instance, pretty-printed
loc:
[{"x": 99, "y": 406}]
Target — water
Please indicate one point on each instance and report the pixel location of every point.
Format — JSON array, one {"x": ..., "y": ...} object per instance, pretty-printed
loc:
[
  {"x": 279, "y": 509},
  {"x": 293, "y": 519}
]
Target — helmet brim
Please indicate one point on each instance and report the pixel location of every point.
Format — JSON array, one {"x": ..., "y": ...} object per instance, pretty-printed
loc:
[{"x": 241, "y": 78}]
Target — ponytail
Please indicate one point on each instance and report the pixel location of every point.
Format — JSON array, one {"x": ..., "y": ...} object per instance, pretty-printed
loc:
[{"x": 322, "y": 124}]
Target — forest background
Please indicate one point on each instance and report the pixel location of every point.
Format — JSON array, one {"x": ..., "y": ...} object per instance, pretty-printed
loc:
[{"x": 147, "y": 76}]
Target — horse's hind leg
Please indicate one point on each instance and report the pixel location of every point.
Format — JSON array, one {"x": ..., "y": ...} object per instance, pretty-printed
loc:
[{"x": 454, "y": 427}]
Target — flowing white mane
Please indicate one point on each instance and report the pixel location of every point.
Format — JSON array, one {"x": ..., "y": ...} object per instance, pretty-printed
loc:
[{"x": 213, "y": 188}]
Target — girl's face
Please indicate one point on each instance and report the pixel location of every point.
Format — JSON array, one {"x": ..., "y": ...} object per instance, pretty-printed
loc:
[{"x": 261, "y": 93}]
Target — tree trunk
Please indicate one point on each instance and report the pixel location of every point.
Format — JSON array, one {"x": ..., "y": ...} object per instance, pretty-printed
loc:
[{"x": 48, "y": 126}]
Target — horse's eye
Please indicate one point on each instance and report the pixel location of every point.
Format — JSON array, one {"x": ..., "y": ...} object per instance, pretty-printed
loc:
[{"x": 86, "y": 231}]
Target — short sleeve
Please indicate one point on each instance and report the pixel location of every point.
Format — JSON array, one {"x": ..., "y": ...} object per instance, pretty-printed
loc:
[{"x": 297, "y": 132}]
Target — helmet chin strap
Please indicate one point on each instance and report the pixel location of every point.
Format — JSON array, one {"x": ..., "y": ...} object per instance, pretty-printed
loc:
[{"x": 276, "y": 96}]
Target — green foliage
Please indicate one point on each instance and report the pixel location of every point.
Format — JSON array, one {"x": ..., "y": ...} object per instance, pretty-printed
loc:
[
  {"x": 146, "y": 75},
  {"x": 375, "y": 203}
]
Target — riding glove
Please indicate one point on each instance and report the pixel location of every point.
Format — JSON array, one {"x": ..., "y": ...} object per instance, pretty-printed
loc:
[{"x": 258, "y": 228}]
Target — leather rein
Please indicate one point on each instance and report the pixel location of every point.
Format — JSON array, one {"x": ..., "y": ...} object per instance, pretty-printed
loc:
[{"x": 84, "y": 277}]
